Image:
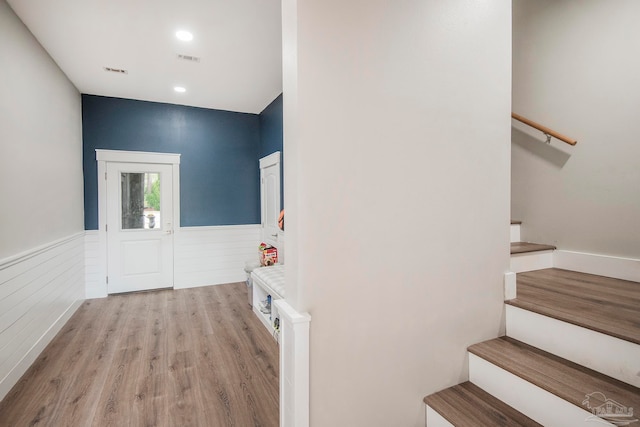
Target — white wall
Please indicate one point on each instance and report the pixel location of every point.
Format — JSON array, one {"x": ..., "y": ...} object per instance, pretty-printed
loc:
[
  {"x": 41, "y": 229},
  {"x": 40, "y": 143},
  {"x": 576, "y": 70},
  {"x": 397, "y": 195}
]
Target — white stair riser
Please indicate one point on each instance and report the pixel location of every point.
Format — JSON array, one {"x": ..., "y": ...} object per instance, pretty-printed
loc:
[
  {"x": 531, "y": 261},
  {"x": 611, "y": 356},
  {"x": 434, "y": 419},
  {"x": 515, "y": 233},
  {"x": 536, "y": 403}
]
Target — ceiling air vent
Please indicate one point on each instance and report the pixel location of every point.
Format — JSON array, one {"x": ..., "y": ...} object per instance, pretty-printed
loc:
[
  {"x": 116, "y": 70},
  {"x": 188, "y": 58}
]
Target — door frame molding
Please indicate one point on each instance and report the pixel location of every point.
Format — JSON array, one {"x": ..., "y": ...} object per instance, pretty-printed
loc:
[
  {"x": 270, "y": 160},
  {"x": 119, "y": 156}
]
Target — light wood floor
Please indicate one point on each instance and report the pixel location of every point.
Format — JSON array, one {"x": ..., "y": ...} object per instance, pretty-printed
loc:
[{"x": 193, "y": 357}]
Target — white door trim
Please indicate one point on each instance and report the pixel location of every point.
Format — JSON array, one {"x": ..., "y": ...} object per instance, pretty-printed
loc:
[
  {"x": 136, "y": 157},
  {"x": 270, "y": 160},
  {"x": 104, "y": 156}
]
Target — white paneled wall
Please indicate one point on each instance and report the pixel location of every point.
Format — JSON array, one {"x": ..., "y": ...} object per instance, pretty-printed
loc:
[
  {"x": 94, "y": 281},
  {"x": 39, "y": 291},
  {"x": 202, "y": 256},
  {"x": 213, "y": 255},
  {"x": 294, "y": 365}
]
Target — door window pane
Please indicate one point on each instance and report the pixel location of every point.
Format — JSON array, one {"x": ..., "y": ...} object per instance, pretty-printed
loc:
[{"x": 140, "y": 200}]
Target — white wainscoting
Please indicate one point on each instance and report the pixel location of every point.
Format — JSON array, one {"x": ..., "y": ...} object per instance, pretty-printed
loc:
[
  {"x": 213, "y": 255},
  {"x": 93, "y": 277},
  {"x": 202, "y": 256},
  {"x": 39, "y": 291}
]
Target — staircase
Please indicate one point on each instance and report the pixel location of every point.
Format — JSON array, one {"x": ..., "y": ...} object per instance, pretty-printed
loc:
[
  {"x": 526, "y": 256},
  {"x": 570, "y": 357}
]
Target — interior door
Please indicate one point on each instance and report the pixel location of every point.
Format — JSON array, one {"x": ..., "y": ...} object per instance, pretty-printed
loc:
[
  {"x": 139, "y": 227},
  {"x": 270, "y": 202}
]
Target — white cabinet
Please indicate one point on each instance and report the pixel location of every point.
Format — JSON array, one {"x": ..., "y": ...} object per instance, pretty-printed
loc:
[
  {"x": 259, "y": 295},
  {"x": 268, "y": 282}
]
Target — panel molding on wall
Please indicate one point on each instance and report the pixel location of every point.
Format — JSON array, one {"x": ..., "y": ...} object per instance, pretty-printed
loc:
[
  {"x": 214, "y": 255},
  {"x": 94, "y": 282},
  {"x": 202, "y": 256},
  {"x": 39, "y": 291}
]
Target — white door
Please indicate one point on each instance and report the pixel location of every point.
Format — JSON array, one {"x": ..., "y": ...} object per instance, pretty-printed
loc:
[
  {"x": 139, "y": 227},
  {"x": 270, "y": 197}
]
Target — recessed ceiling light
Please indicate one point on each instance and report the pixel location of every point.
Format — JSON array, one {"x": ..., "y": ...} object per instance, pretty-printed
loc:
[
  {"x": 179, "y": 89},
  {"x": 185, "y": 36}
]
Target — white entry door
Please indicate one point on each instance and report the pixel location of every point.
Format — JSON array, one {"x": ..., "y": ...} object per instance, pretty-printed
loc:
[
  {"x": 270, "y": 197},
  {"x": 139, "y": 226}
]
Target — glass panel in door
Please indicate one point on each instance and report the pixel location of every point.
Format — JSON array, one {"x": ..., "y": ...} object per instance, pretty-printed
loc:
[{"x": 140, "y": 200}]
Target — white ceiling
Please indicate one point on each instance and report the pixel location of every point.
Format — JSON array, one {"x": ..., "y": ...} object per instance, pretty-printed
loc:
[{"x": 238, "y": 41}]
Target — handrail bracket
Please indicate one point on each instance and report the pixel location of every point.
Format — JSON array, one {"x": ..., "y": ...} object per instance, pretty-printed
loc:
[{"x": 549, "y": 133}]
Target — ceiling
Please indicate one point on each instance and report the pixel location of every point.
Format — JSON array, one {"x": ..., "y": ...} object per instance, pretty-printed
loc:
[{"x": 238, "y": 43}]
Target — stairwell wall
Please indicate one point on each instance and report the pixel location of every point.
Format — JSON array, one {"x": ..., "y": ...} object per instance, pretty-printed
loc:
[
  {"x": 397, "y": 195},
  {"x": 41, "y": 230},
  {"x": 574, "y": 71}
]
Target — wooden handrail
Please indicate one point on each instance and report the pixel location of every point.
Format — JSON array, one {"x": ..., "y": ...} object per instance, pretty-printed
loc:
[{"x": 544, "y": 129}]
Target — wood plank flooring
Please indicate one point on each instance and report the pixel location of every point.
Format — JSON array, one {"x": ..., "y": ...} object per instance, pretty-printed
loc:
[
  {"x": 192, "y": 357},
  {"x": 603, "y": 304},
  {"x": 524, "y": 247}
]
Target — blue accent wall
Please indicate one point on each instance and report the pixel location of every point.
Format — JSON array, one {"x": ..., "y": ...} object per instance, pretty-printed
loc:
[
  {"x": 271, "y": 136},
  {"x": 271, "y": 128},
  {"x": 219, "y": 171}
]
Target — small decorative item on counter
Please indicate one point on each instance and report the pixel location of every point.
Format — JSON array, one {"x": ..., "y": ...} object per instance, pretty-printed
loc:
[{"x": 268, "y": 254}]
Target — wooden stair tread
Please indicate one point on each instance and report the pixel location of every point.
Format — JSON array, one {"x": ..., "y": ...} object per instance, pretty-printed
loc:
[
  {"x": 524, "y": 247},
  {"x": 467, "y": 405},
  {"x": 565, "y": 379},
  {"x": 603, "y": 304},
  {"x": 515, "y": 222}
]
